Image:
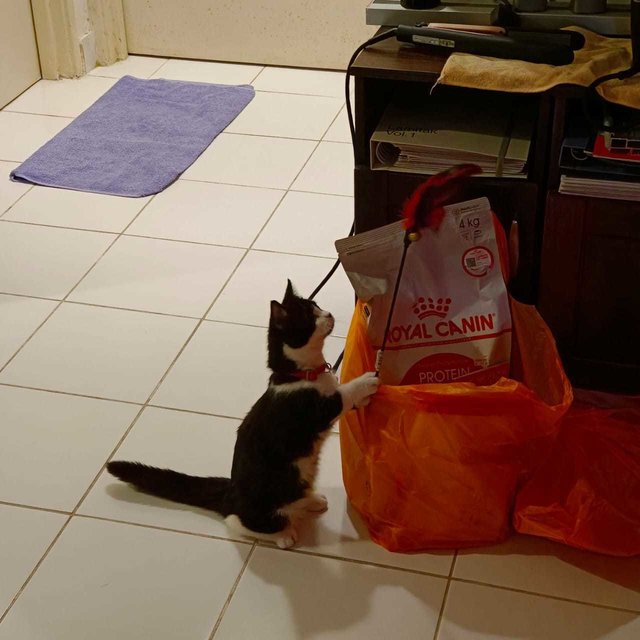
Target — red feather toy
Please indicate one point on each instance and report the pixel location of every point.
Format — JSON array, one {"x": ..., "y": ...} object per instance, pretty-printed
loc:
[{"x": 425, "y": 206}]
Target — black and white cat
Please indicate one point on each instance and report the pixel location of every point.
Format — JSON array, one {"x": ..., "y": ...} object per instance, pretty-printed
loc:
[{"x": 275, "y": 460}]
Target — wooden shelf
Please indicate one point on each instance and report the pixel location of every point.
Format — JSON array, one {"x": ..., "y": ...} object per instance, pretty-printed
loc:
[{"x": 393, "y": 60}]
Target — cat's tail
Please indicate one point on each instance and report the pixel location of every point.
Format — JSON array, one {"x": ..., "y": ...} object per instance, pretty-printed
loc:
[{"x": 208, "y": 493}]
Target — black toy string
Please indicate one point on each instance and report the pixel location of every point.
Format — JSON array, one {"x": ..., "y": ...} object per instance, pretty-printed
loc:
[{"x": 406, "y": 243}]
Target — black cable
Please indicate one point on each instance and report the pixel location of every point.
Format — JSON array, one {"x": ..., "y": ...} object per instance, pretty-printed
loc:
[
  {"x": 352, "y": 129},
  {"x": 379, "y": 38},
  {"x": 326, "y": 279},
  {"x": 591, "y": 93}
]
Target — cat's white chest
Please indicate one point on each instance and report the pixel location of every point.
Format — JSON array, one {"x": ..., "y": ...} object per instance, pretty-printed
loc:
[{"x": 327, "y": 383}]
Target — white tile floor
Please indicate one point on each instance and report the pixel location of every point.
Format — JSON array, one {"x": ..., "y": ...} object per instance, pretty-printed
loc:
[{"x": 135, "y": 328}]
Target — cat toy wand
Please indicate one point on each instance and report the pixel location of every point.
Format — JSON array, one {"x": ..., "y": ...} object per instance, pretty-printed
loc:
[{"x": 425, "y": 210}]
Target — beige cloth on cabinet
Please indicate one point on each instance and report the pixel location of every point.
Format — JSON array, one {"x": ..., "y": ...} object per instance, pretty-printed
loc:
[{"x": 599, "y": 56}]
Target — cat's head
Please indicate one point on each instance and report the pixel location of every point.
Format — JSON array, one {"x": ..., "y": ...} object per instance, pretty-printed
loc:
[{"x": 297, "y": 329}]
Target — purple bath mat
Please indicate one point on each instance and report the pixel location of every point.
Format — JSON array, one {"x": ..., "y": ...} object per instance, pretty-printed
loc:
[{"x": 137, "y": 138}]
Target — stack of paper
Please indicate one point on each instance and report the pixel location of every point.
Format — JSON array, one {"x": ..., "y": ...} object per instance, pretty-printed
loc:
[
  {"x": 596, "y": 188},
  {"x": 442, "y": 131}
]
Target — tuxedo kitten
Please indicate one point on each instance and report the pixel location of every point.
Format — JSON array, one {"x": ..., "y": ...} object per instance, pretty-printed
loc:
[{"x": 275, "y": 461}]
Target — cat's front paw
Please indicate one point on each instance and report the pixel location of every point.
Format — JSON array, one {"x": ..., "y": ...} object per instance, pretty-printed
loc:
[{"x": 366, "y": 386}]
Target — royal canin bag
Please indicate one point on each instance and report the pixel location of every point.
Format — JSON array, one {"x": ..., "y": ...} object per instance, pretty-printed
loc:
[{"x": 452, "y": 320}]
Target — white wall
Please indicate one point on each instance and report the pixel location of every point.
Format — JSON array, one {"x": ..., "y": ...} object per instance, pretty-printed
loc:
[
  {"x": 303, "y": 33},
  {"x": 19, "y": 67}
]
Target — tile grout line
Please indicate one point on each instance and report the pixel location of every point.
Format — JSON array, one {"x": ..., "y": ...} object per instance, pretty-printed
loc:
[
  {"x": 318, "y": 143},
  {"x": 140, "y": 525},
  {"x": 297, "y": 93},
  {"x": 43, "y": 115},
  {"x": 546, "y": 595},
  {"x": 109, "y": 456},
  {"x": 10, "y": 360},
  {"x": 195, "y": 412},
  {"x": 262, "y": 68},
  {"x": 232, "y": 592},
  {"x": 436, "y": 632},
  {"x": 163, "y": 239},
  {"x": 366, "y": 563},
  {"x": 148, "y": 311},
  {"x": 64, "y": 299},
  {"x": 146, "y": 77},
  {"x": 222, "y": 62},
  {"x": 228, "y": 184},
  {"x": 164, "y": 64},
  {"x": 35, "y": 569},
  {"x": 72, "y": 394},
  {"x": 266, "y": 135},
  {"x": 118, "y": 236},
  {"x": 34, "y": 508},
  {"x": 235, "y": 63},
  {"x": 57, "y": 226},
  {"x": 28, "y": 296},
  {"x": 251, "y": 186},
  {"x": 16, "y": 202}
]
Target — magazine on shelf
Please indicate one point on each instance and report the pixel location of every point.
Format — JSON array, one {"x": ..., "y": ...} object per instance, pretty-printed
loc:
[{"x": 600, "y": 188}]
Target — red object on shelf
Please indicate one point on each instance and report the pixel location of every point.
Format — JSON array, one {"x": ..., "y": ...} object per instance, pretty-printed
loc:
[{"x": 600, "y": 151}]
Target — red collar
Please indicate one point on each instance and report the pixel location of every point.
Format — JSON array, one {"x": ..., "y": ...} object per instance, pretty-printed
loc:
[{"x": 311, "y": 374}]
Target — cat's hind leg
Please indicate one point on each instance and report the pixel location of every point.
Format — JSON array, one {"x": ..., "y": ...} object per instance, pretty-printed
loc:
[
  {"x": 312, "y": 503},
  {"x": 317, "y": 503}
]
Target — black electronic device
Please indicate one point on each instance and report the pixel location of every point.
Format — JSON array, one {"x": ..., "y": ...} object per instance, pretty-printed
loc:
[
  {"x": 419, "y": 4},
  {"x": 488, "y": 45},
  {"x": 573, "y": 39},
  {"x": 606, "y": 117}
]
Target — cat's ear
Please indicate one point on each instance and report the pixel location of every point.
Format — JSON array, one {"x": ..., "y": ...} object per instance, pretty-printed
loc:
[
  {"x": 290, "y": 293},
  {"x": 278, "y": 314}
]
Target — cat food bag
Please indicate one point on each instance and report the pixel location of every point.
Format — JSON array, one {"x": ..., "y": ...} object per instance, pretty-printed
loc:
[{"x": 452, "y": 321}]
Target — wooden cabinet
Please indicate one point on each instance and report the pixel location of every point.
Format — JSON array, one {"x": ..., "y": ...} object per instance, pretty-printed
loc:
[
  {"x": 579, "y": 256},
  {"x": 589, "y": 290}
]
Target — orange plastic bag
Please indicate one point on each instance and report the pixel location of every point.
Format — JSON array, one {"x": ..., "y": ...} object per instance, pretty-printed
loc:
[
  {"x": 438, "y": 466},
  {"x": 587, "y": 493}
]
